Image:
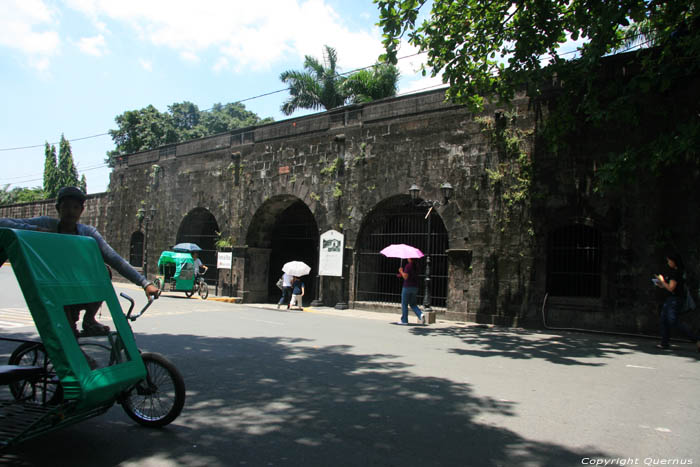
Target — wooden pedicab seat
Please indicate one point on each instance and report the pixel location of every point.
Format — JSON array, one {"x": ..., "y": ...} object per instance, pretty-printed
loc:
[{"x": 54, "y": 270}]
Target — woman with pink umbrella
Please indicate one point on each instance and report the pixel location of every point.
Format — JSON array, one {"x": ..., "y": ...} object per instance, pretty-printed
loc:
[{"x": 409, "y": 274}]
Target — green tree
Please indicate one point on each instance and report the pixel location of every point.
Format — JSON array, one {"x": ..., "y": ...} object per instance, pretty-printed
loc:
[
  {"x": 378, "y": 82},
  {"x": 140, "y": 130},
  {"x": 318, "y": 87},
  {"x": 51, "y": 185},
  {"x": 67, "y": 173},
  {"x": 20, "y": 195},
  {"x": 148, "y": 128},
  {"x": 83, "y": 183},
  {"x": 495, "y": 47}
]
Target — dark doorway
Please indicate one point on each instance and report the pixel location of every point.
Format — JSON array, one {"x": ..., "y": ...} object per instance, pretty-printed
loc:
[
  {"x": 136, "y": 249},
  {"x": 199, "y": 226},
  {"x": 286, "y": 226},
  {"x": 398, "y": 220}
]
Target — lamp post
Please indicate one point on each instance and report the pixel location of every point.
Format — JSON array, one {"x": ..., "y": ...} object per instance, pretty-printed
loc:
[
  {"x": 141, "y": 215},
  {"x": 446, "y": 190}
]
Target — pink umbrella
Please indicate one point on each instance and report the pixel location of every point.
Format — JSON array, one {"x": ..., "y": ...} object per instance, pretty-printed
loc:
[{"x": 400, "y": 250}]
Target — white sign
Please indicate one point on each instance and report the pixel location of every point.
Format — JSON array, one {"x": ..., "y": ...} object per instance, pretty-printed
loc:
[
  {"x": 330, "y": 260},
  {"x": 223, "y": 260}
]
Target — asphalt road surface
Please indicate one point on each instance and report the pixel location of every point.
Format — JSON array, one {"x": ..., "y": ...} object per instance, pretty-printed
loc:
[{"x": 328, "y": 387}]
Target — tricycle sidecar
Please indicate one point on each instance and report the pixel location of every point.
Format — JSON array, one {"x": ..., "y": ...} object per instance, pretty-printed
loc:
[{"x": 55, "y": 270}]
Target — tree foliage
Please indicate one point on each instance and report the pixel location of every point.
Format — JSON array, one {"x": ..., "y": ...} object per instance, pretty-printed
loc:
[
  {"x": 148, "y": 128},
  {"x": 496, "y": 47},
  {"x": 67, "y": 173},
  {"x": 321, "y": 86},
  {"x": 378, "y": 82},
  {"x": 51, "y": 185},
  {"x": 20, "y": 195}
]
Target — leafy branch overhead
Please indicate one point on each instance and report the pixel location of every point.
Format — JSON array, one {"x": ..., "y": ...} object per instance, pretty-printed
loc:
[{"x": 495, "y": 48}]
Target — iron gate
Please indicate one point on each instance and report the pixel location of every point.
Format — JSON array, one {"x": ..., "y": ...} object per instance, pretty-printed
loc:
[{"x": 377, "y": 279}]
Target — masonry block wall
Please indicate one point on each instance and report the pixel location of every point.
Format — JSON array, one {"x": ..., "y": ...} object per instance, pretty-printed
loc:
[{"x": 341, "y": 165}]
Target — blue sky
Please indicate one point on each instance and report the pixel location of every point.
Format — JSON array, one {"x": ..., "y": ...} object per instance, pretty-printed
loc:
[{"x": 71, "y": 66}]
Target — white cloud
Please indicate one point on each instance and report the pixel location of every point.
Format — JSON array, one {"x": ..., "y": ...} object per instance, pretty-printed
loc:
[
  {"x": 94, "y": 46},
  {"x": 146, "y": 64},
  {"x": 28, "y": 26},
  {"x": 249, "y": 35}
]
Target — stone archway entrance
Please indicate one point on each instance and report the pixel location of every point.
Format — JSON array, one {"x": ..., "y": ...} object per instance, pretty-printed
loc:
[
  {"x": 398, "y": 220},
  {"x": 282, "y": 230},
  {"x": 199, "y": 226}
]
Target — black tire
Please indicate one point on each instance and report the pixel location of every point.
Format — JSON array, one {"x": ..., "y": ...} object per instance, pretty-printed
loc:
[
  {"x": 157, "y": 283},
  {"x": 203, "y": 290},
  {"x": 189, "y": 294},
  {"x": 157, "y": 400},
  {"x": 45, "y": 391}
]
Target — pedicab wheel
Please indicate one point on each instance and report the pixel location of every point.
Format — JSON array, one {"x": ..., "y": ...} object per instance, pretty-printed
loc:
[
  {"x": 45, "y": 391},
  {"x": 157, "y": 283},
  {"x": 203, "y": 290},
  {"x": 158, "y": 399},
  {"x": 189, "y": 293}
]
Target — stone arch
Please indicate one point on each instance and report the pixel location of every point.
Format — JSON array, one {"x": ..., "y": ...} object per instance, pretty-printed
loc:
[
  {"x": 200, "y": 226},
  {"x": 136, "y": 249},
  {"x": 399, "y": 220},
  {"x": 283, "y": 229}
]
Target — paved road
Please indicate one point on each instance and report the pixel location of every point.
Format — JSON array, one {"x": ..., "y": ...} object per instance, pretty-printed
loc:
[{"x": 328, "y": 387}]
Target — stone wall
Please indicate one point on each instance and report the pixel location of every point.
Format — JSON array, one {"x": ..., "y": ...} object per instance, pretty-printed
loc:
[
  {"x": 96, "y": 210},
  {"x": 341, "y": 165},
  {"x": 334, "y": 169}
]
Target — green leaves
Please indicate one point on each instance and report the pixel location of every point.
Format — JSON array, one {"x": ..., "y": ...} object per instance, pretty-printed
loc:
[
  {"x": 321, "y": 86},
  {"x": 495, "y": 47},
  {"x": 148, "y": 128}
]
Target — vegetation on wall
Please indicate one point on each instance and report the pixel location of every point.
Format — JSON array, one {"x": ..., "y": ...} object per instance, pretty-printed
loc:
[{"x": 511, "y": 177}]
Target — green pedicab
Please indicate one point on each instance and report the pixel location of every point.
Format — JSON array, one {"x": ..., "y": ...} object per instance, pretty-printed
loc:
[
  {"x": 55, "y": 382},
  {"x": 176, "y": 274}
]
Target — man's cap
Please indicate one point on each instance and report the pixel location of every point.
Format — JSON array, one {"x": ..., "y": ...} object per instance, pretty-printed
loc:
[{"x": 70, "y": 192}]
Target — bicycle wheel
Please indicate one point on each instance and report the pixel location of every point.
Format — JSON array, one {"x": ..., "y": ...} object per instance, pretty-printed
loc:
[
  {"x": 157, "y": 400},
  {"x": 47, "y": 390},
  {"x": 188, "y": 294},
  {"x": 203, "y": 290}
]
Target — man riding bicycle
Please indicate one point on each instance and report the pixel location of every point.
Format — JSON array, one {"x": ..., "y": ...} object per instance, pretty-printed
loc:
[{"x": 198, "y": 265}]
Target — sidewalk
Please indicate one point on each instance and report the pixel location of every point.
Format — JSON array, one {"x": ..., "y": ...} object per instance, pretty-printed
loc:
[{"x": 326, "y": 310}]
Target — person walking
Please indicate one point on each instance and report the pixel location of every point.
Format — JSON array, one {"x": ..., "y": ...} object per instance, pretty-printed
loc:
[
  {"x": 297, "y": 293},
  {"x": 286, "y": 290},
  {"x": 409, "y": 292},
  {"x": 672, "y": 281}
]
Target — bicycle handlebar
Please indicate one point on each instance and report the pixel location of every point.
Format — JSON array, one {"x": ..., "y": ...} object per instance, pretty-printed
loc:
[{"x": 151, "y": 298}]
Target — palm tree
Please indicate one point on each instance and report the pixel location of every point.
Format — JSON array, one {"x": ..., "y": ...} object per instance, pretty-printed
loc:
[
  {"x": 376, "y": 83},
  {"x": 319, "y": 86}
]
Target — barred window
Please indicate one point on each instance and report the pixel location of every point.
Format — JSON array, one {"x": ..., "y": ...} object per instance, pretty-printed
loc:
[{"x": 574, "y": 262}]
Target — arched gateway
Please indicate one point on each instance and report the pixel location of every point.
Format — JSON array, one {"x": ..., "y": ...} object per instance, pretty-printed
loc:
[{"x": 283, "y": 229}]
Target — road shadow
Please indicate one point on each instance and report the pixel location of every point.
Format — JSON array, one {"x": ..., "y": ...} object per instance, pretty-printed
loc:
[
  {"x": 558, "y": 347},
  {"x": 282, "y": 401}
]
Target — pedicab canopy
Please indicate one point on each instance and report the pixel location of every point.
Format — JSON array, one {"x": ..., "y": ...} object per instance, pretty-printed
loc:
[
  {"x": 183, "y": 262},
  {"x": 54, "y": 270}
]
